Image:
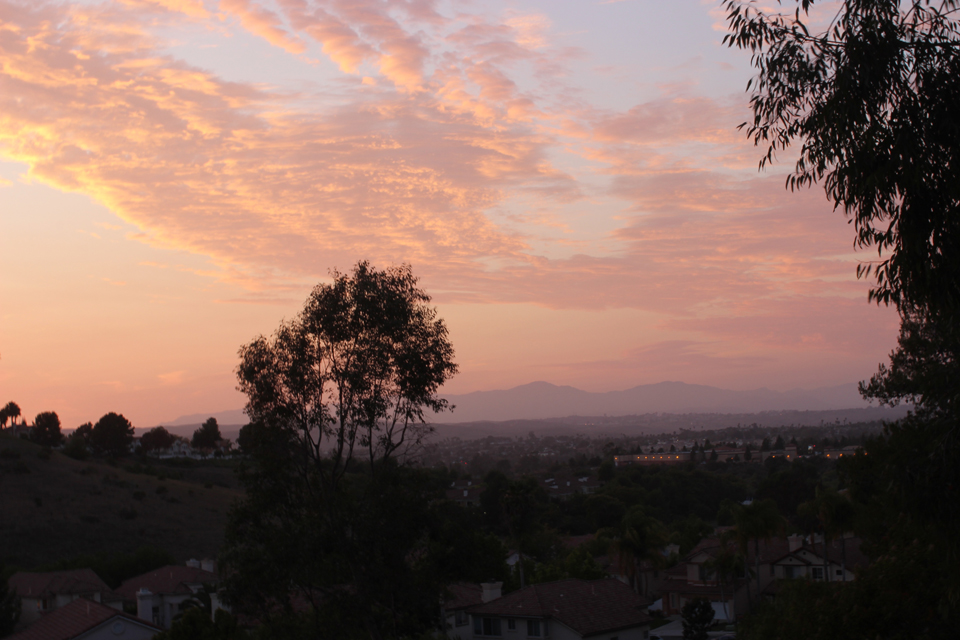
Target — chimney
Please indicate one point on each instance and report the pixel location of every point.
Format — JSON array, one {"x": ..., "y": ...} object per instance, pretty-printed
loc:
[
  {"x": 145, "y": 605},
  {"x": 491, "y": 590},
  {"x": 795, "y": 541},
  {"x": 208, "y": 565}
]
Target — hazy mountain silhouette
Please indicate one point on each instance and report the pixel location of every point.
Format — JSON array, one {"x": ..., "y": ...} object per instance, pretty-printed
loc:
[
  {"x": 233, "y": 417},
  {"x": 539, "y": 400}
]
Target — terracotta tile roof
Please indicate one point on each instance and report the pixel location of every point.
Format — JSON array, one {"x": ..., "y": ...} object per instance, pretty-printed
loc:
[
  {"x": 75, "y": 582},
  {"x": 588, "y": 607},
  {"x": 169, "y": 579},
  {"x": 463, "y": 595},
  {"x": 73, "y": 620}
]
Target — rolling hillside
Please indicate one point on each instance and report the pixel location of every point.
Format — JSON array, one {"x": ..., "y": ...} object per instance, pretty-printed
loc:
[{"x": 57, "y": 508}]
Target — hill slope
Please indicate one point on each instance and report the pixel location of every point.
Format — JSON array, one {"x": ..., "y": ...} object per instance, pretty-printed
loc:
[{"x": 60, "y": 508}]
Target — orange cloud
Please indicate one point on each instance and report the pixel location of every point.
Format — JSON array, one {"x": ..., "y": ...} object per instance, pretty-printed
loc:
[{"x": 263, "y": 23}]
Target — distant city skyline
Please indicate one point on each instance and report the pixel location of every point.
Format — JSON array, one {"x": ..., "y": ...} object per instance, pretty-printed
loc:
[{"x": 566, "y": 178}]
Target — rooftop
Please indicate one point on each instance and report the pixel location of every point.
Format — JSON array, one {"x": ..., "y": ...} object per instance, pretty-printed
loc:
[
  {"x": 586, "y": 606},
  {"x": 73, "y": 620},
  {"x": 74, "y": 582},
  {"x": 169, "y": 579}
]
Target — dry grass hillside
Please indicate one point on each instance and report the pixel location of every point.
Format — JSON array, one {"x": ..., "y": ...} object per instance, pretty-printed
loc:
[{"x": 53, "y": 507}]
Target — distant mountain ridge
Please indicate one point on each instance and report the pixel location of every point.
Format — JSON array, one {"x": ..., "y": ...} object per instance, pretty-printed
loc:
[
  {"x": 539, "y": 400},
  {"x": 543, "y": 400},
  {"x": 231, "y": 417}
]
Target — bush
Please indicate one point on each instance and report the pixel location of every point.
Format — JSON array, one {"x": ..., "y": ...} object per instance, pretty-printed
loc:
[
  {"x": 128, "y": 513},
  {"x": 76, "y": 447},
  {"x": 697, "y": 618},
  {"x": 139, "y": 495}
]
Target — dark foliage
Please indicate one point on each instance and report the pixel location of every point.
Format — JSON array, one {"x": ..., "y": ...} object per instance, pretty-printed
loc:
[
  {"x": 207, "y": 436},
  {"x": 10, "y": 411},
  {"x": 196, "y": 624},
  {"x": 697, "y": 617},
  {"x": 157, "y": 439},
  {"x": 112, "y": 435},
  {"x": 331, "y": 517},
  {"x": 9, "y": 605},
  {"x": 874, "y": 101},
  {"x": 46, "y": 429}
]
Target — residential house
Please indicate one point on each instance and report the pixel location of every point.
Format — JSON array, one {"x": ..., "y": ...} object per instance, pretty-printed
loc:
[
  {"x": 465, "y": 493},
  {"x": 564, "y": 487},
  {"x": 84, "y": 619},
  {"x": 161, "y": 595},
  {"x": 42, "y": 593},
  {"x": 564, "y": 610},
  {"x": 650, "y": 574},
  {"x": 779, "y": 559},
  {"x": 805, "y": 559},
  {"x": 463, "y": 597},
  {"x": 694, "y": 578}
]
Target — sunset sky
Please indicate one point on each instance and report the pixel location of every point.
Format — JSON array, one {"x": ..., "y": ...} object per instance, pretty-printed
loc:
[{"x": 565, "y": 176}]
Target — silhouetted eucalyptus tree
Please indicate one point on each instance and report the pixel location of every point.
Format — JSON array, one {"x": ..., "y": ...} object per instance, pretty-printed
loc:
[{"x": 337, "y": 398}]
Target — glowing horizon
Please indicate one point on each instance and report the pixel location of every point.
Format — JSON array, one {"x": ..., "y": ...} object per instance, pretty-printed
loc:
[{"x": 566, "y": 178}]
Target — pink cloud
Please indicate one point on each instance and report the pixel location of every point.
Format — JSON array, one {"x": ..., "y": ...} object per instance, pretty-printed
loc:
[{"x": 264, "y": 23}]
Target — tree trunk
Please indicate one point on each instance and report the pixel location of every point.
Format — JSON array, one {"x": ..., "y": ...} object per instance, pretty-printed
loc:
[
  {"x": 756, "y": 560},
  {"x": 843, "y": 556},
  {"x": 523, "y": 582},
  {"x": 826, "y": 563}
]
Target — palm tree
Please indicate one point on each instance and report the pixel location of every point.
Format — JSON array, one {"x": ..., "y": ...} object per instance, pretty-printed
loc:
[
  {"x": 727, "y": 563},
  {"x": 11, "y": 411},
  {"x": 638, "y": 537},
  {"x": 759, "y": 519},
  {"x": 835, "y": 513},
  {"x": 520, "y": 510}
]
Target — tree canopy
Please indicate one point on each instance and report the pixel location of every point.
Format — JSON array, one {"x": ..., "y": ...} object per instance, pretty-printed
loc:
[
  {"x": 157, "y": 439},
  {"x": 207, "y": 436},
  {"x": 355, "y": 370},
  {"x": 112, "y": 435},
  {"x": 46, "y": 429},
  {"x": 337, "y": 400},
  {"x": 873, "y": 99},
  {"x": 10, "y": 411}
]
